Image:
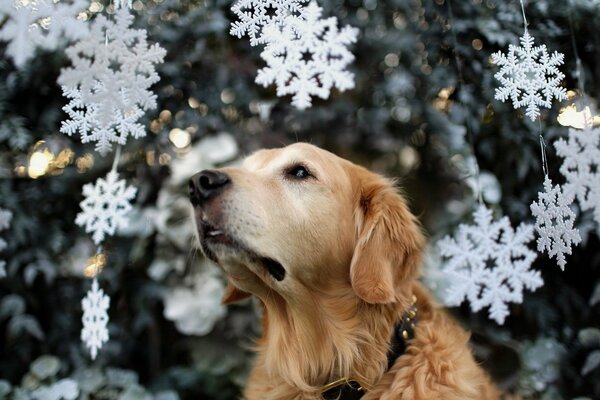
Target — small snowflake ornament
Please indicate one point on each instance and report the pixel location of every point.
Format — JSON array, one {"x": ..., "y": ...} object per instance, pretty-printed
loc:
[
  {"x": 39, "y": 23},
  {"x": 95, "y": 318},
  {"x": 554, "y": 222},
  {"x": 488, "y": 263},
  {"x": 581, "y": 167},
  {"x": 105, "y": 206},
  {"x": 255, "y": 15},
  {"x": 307, "y": 57},
  {"x": 109, "y": 83},
  {"x": 529, "y": 76}
]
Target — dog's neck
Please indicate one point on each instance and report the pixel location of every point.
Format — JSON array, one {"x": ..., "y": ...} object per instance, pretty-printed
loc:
[{"x": 328, "y": 337}]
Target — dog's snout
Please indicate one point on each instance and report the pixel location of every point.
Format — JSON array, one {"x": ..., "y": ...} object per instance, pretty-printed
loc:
[{"x": 205, "y": 184}]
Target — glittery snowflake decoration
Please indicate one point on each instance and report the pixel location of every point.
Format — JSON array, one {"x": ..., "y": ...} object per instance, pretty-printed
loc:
[
  {"x": 39, "y": 23},
  {"x": 105, "y": 206},
  {"x": 108, "y": 84},
  {"x": 554, "y": 222},
  {"x": 95, "y": 319},
  {"x": 581, "y": 167},
  {"x": 307, "y": 57},
  {"x": 255, "y": 15},
  {"x": 5, "y": 217},
  {"x": 488, "y": 263},
  {"x": 529, "y": 76}
]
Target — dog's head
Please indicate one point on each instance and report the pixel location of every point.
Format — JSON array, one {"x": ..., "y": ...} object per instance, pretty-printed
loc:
[{"x": 298, "y": 220}]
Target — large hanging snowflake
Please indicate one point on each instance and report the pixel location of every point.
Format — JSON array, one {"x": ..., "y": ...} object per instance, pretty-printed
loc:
[
  {"x": 307, "y": 57},
  {"x": 488, "y": 263},
  {"x": 95, "y": 318},
  {"x": 254, "y": 15},
  {"x": 108, "y": 85},
  {"x": 529, "y": 76},
  {"x": 554, "y": 222},
  {"x": 105, "y": 206},
  {"x": 5, "y": 217},
  {"x": 26, "y": 25},
  {"x": 581, "y": 153}
]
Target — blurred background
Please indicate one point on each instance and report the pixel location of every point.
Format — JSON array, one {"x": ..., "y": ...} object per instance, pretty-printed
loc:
[{"x": 407, "y": 117}]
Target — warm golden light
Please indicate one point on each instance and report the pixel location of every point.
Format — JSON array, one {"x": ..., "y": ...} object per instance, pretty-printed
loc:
[
  {"x": 39, "y": 162},
  {"x": 150, "y": 157},
  {"x": 193, "y": 103},
  {"x": 180, "y": 138},
  {"x": 164, "y": 159},
  {"x": 64, "y": 158},
  {"x": 442, "y": 102},
  {"x": 94, "y": 265},
  {"x": 84, "y": 163},
  {"x": 569, "y": 116},
  {"x": 165, "y": 116}
]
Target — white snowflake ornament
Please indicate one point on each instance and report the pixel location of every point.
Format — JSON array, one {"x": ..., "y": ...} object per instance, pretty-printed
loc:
[
  {"x": 554, "y": 222},
  {"x": 109, "y": 82},
  {"x": 307, "y": 57},
  {"x": 489, "y": 263},
  {"x": 39, "y": 23},
  {"x": 105, "y": 206},
  {"x": 529, "y": 76},
  {"x": 255, "y": 15},
  {"x": 581, "y": 153},
  {"x": 95, "y": 319}
]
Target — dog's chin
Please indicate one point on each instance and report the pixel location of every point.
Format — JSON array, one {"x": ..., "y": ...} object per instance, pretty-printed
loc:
[
  {"x": 214, "y": 241},
  {"x": 223, "y": 248}
]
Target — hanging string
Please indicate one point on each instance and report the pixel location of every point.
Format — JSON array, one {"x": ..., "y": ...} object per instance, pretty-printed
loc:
[
  {"x": 543, "y": 149},
  {"x": 524, "y": 17},
  {"x": 461, "y": 81},
  {"x": 541, "y": 137},
  {"x": 587, "y": 109},
  {"x": 580, "y": 72},
  {"x": 117, "y": 159}
]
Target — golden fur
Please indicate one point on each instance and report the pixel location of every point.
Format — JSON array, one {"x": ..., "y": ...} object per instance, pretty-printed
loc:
[{"x": 351, "y": 250}]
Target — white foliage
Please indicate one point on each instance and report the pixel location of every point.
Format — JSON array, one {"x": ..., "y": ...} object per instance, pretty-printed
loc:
[
  {"x": 39, "y": 23},
  {"x": 488, "y": 263},
  {"x": 529, "y": 76},
  {"x": 307, "y": 57},
  {"x": 95, "y": 318},
  {"x": 195, "y": 310},
  {"x": 123, "y": 3},
  {"x": 581, "y": 167},
  {"x": 105, "y": 206},
  {"x": 5, "y": 218},
  {"x": 65, "y": 389},
  {"x": 255, "y": 15},
  {"x": 554, "y": 222},
  {"x": 205, "y": 154},
  {"x": 108, "y": 84}
]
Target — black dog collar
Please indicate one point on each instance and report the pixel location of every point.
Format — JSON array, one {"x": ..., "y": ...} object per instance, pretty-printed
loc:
[{"x": 349, "y": 389}]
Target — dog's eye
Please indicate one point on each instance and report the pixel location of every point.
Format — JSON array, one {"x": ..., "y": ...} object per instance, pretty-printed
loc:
[{"x": 298, "y": 172}]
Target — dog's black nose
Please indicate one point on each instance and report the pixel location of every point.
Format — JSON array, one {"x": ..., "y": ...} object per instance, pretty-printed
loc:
[{"x": 206, "y": 184}]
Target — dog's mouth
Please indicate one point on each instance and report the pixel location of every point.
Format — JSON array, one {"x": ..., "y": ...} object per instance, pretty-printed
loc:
[{"x": 211, "y": 235}]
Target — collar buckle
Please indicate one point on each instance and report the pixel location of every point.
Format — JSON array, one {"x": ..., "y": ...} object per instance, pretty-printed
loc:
[{"x": 335, "y": 389}]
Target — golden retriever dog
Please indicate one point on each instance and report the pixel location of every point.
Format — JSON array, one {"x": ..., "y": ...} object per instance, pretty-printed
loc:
[{"x": 332, "y": 252}]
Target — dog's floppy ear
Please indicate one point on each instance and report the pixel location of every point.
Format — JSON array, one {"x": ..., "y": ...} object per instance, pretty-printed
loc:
[
  {"x": 233, "y": 294},
  {"x": 390, "y": 242}
]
